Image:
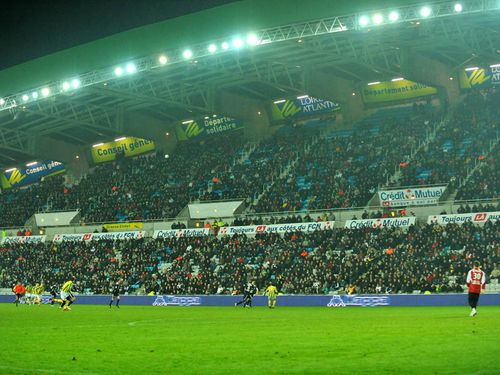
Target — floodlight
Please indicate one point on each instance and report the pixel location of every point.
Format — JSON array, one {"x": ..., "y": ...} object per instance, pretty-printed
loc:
[
  {"x": 363, "y": 21},
  {"x": 377, "y": 19},
  {"x": 393, "y": 16},
  {"x": 163, "y": 59},
  {"x": 425, "y": 12},
  {"x": 10, "y": 170},
  {"x": 187, "y": 54},
  {"x": 252, "y": 39},
  {"x": 397, "y": 79},
  {"x": 212, "y": 48},
  {"x": 31, "y": 164},
  {"x": 131, "y": 68},
  {"x": 237, "y": 43},
  {"x": 34, "y": 95},
  {"x": 97, "y": 144},
  {"x": 118, "y": 71},
  {"x": 45, "y": 91},
  {"x": 25, "y": 98},
  {"x": 373, "y": 83},
  {"x": 187, "y": 122},
  {"x": 279, "y": 101},
  {"x": 2, "y": 101},
  {"x": 225, "y": 45},
  {"x": 471, "y": 68},
  {"x": 491, "y": 66},
  {"x": 120, "y": 139},
  {"x": 66, "y": 86},
  {"x": 75, "y": 83},
  {"x": 458, "y": 7},
  {"x": 302, "y": 97}
]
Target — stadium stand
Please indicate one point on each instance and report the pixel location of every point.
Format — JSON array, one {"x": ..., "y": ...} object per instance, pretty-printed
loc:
[{"x": 423, "y": 258}]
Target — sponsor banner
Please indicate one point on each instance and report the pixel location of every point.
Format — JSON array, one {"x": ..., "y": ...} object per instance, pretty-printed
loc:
[
  {"x": 206, "y": 127},
  {"x": 355, "y": 300},
  {"x": 391, "y": 91},
  {"x": 128, "y": 235},
  {"x": 410, "y": 196},
  {"x": 403, "y": 222},
  {"x": 480, "y": 77},
  {"x": 297, "y": 108},
  {"x": 128, "y": 146},
  {"x": 123, "y": 226},
  {"x": 476, "y": 218},
  {"x": 22, "y": 239},
  {"x": 177, "y": 301},
  {"x": 169, "y": 233},
  {"x": 33, "y": 173},
  {"x": 277, "y": 228}
]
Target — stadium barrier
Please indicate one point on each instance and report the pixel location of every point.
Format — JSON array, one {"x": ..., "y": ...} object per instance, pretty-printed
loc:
[{"x": 288, "y": 300}]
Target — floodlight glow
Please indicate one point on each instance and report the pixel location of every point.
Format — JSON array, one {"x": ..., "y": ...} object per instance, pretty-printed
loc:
[
  {"x": 118, "y": 71},
  {"x": 75, "y": 83},
  {"x": 491, "y": 66},
  {"x": 252, "y": 39},
  {"x": 25, "y": 98},
  {"x": 377, "y": 19},
  {"x": 34, "y": 95},
  {"x": 212, "y": 48},
  {"x": 131, "y": 68},
  {"x": 471, "y": 68},
  {"x": 2, "y": 101},
  {"x": 363, "y": 21},
  {"x": 10, "y": 170},
  {"x": 66, "y": 86},
  {"x": 187, "y": 54},
  {"x": 425, "y": 12},
  {"x": 97, "y": 145},
  {"x": 120, "y": 139},
  {"x": 397, "y": 79},
  {"x": 32, "y": 163},
  {"x": 187, "y": 122},
  {"x": 163, "y": 59},
  {"x": 225, "y": 45},
  {"x": 373, "y": 83},
  {"x": 393, "y": 16},
  {"x": 237, "y": 43},
  {"x": 279, "y": 101},
  {"x": 458, "y": 7},
  {"x": 45, "y": 91},
  {"x": 302, "y": 96}
]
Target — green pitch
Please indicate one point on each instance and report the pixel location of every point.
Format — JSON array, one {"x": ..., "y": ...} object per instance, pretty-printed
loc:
[{"x": 229, "y": 340}]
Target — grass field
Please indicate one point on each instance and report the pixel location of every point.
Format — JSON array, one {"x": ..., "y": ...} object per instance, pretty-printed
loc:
[{"x": 228, "y": 340}]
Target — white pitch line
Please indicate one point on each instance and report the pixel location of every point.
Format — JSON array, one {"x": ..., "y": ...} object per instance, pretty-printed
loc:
[{"x": 46, "y": 371}]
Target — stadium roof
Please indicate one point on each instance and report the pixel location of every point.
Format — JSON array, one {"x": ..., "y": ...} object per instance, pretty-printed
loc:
[{"x": 79, "y": 96}]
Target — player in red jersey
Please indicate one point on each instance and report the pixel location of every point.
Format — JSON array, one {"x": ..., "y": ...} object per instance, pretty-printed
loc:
[
  {"x": 19, "y": 290},
  {"x": 476, "y": 283}
]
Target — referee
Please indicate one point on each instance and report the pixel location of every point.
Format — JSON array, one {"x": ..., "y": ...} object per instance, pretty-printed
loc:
[{"x": 115, "y": 294}]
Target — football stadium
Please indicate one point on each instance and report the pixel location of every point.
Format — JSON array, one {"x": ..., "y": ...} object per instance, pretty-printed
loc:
[{"x": 258, "y": 187}]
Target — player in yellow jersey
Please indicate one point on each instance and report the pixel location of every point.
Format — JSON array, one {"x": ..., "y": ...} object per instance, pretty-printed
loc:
[
  {"x": 37, "y": 293},
  {"x": 271, "y": 292},
  {"x": 67, "y": 294},
  {"x": 28, "y": 296}
]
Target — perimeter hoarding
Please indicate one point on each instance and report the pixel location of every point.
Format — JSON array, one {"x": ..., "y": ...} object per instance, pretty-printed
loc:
[
  {"x": 128, "y": 146},
  {"x": 22, "y": 240},
  {"x": 480, "y": 77},
  {"x": 404, "y": 222},
  {"x": 277, "y": 228},
  {"x": 34, "y": 173},
  {"x": 301, "y": 107},
  {"x": 411, "y": 196},
  {"x": 113, "y": 236},
  {"x": 392, "y": 91},
  {"x": 475, "y": 218},
  {"x": 206, "y": 127}
]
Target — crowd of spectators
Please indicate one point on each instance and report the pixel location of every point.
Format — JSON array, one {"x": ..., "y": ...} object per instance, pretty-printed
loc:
[
  {"x": 464, "y": 139},
  {"x": 345, "y": 170},
  {"x": 423, "y": 258},
  {"x": 485, "y": 181}
]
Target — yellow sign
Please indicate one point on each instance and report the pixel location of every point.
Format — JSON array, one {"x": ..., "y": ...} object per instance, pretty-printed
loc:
[
  {"x": 123, "y": 226},
  {"x": 480, "y": 77},
  {"x": 396, "y": 90},
  {"x": 129, "y": 146}
]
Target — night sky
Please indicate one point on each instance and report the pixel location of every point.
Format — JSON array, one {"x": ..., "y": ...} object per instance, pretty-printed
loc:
[{"x": 31, "y": 29}]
